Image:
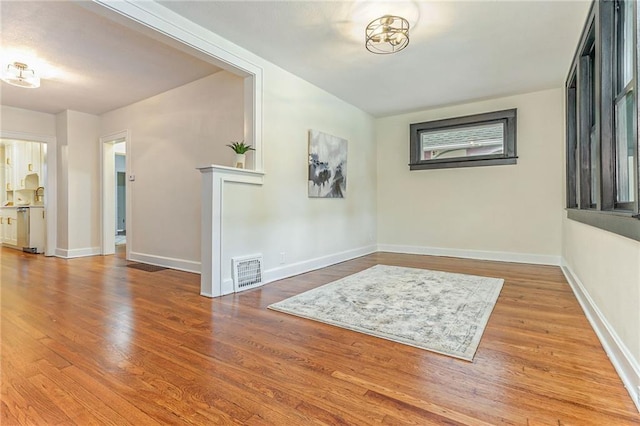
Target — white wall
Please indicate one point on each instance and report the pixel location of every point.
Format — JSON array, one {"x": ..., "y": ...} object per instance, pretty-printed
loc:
[
  {"x": 604, "y": 270},
  {"x": 608, "y": 266},
  {"x": 172, "y": 134},
  {"x": 509, "y": 212},
  {"x": 62, "y": 184},
  {"x": 27, "y": 121},
  {"x": 279, "y": 217},
  {"x": 78, "y": 183},
  {"x": 84, "y": 181}
]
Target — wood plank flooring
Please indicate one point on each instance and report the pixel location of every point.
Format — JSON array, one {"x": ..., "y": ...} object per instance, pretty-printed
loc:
[{"x": 90, "y": 341}]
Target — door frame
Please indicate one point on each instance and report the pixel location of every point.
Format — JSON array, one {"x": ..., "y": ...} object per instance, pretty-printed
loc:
[
  {"x": 108, "y": 189},
  {"x": 51, "y": 183}
]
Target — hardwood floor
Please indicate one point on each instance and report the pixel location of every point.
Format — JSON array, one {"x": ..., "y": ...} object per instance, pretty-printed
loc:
[{"x": 90, "y": 341}]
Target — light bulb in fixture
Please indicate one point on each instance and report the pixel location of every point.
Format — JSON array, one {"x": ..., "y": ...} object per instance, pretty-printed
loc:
[{"x": 18, "y": 74}]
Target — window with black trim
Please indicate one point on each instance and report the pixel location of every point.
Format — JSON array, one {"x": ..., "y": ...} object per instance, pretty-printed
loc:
[
  {"x": 475, "y": 140},
  {"x": 624, "y": 98},
  {"x": 602, "y": 121}
]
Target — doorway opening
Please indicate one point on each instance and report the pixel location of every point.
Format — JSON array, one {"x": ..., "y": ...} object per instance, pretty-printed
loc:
[
  {"x": 121, "y": 194},
  {"x": 116, "y": 232},
  {"x": 22, "y": 209}
]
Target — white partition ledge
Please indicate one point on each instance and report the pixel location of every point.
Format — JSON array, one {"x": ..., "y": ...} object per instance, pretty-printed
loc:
[{"x": 213, "y": 183}]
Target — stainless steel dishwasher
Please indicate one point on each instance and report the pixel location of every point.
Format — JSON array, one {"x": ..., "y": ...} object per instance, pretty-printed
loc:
[{"x": 23, "y": 228}]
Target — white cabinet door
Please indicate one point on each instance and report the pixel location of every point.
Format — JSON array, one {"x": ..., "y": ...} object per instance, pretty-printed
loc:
[
  {"x": 36, "y": 228},
  {"x": 22, "y": 156},
  {"x": 10, "y": 231},
  {"x": 13, "y": 228},
  {"x": 6, "y": 220},
  {"x": 35, "y": 160},
  {"x": 9, "y": 167},
  {"x": 6, "y": 234}
]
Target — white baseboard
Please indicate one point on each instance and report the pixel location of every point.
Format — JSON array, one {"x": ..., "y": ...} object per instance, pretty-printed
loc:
[
  {"x": 626, "y": 366},
  {"x": 227, "y": 286},
  {"x": 537, "y": 259},
  {"x": 287, "y": 271},
  {"x": 83, "y": 252},
  {"x": 167, "y": 262}
]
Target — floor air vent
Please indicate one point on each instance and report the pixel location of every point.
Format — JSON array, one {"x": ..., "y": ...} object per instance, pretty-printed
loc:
[{"x": 247, "y": 272}]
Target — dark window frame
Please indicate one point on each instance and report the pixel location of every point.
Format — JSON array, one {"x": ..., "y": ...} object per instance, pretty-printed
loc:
[
  {"x": 620, "y": 92},
  {"x": 572, "y": 188},
  {"x": 604, "y": 211},
  {"x": 509, "y": 156}
]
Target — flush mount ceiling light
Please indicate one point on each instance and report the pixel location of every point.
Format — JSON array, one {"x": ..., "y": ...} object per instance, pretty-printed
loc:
[
  {"x": 19, "y": 74},
  {"x": 388, "y": 34}
]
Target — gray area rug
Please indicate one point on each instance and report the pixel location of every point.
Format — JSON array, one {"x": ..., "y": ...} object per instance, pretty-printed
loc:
[{"x": 437, "y": 311}]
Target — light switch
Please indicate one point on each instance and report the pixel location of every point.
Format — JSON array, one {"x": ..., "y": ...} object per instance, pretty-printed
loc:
[{"x": 132, "y": 178}]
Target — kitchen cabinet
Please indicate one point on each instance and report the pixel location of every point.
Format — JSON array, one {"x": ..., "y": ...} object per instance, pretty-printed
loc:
[
  {"x": 9, "y": 227},
  {"x": 34, "y": 228},
  {"x": 26, "y": 157},
  {"x": 22, "y": 169}
]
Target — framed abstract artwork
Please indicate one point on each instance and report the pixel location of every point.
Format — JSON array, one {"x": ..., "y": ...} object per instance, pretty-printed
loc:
[{"x": 327, "y": 165}]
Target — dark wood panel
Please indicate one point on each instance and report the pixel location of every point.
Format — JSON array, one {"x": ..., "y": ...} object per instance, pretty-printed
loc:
[{"x": 90, "y": 341}]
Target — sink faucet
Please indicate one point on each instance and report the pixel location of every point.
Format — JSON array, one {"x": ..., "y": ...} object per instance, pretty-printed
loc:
[{"x": 40, "y": 193}]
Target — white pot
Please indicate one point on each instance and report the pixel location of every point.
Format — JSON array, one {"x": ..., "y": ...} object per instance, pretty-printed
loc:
[{"x": 240, "y": 159}]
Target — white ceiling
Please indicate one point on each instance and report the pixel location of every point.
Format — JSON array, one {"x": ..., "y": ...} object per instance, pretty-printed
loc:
[
  {"x": 459, "y": 51},
  {"x": 87, "y": 62}
]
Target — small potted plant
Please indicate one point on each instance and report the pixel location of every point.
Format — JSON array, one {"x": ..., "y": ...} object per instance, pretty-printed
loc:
[{"x": 241, "y": 149}]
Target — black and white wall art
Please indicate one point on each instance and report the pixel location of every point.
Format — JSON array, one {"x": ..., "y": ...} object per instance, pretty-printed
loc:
[{"x": 327, "y": 165}]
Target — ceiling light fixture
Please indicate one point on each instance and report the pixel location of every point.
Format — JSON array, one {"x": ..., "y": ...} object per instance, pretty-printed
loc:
[
  {"x": 388, "y": 34},
  {"x": 19, "y": 74}
]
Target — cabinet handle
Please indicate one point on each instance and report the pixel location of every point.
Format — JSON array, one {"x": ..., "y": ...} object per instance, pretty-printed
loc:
[
  {"x": 8, "y": 221},
  {"x": 8, "y": 161},
  {"x": 1, "y": 220},
  {"x": 30, "y": 167}
]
